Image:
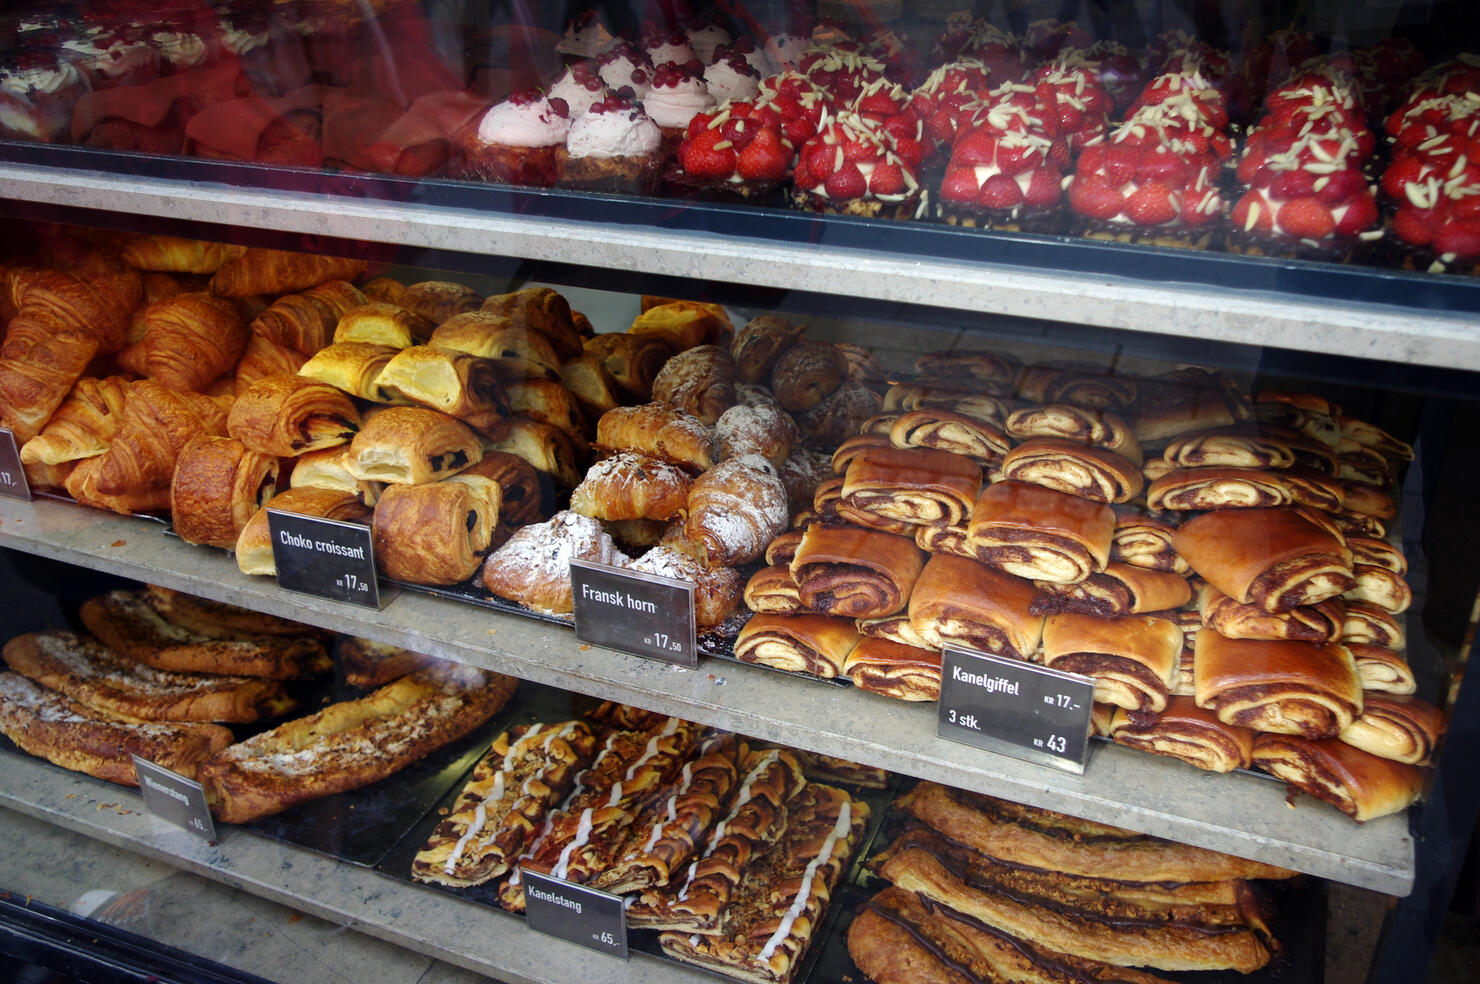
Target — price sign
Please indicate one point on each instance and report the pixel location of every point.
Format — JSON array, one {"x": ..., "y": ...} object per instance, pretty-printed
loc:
[
  {"x": 575, "y": 913},
  {"x": 174, "y": 798},
  {"x": 324, "y": 557},
  {"x": 635, "y": 612},
  {"x": 12, "y": 476},
  {"x": 1016, "y": 708}
]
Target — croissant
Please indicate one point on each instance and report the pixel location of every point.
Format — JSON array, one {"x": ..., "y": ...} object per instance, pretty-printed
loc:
[
  {"x": 83, "y": 426},
  {"x": 548, "y": 401},
  {"x": 306, "y": 322},
  {"x": 456, "y": 383},
  {"x": 276, "y": 271},
  {"x": 289, "y": 415},
  {"x": 172, "y": 254},
  {"x": 156, "y": 424},
  {"x": 434, "y": 533},
  {"x": 384, "y": 289},
  {"x": 40, "y": 359},
  {"x": 82, "y": 485},
  {"x": 630, "y": 485},
  {"x": 543, "y": 310},
  {"x": 700, "y": 381},
  {"x": 192, "y": 339},
  {"x": 101, "y": 305},
  {"x": 218, "y": 485},
  {"x": 262, "y": 358},
  {"x": 438, "y": 300},
  {"x": 382, "y": 323},
  {"x": 735, "y": 509},
  {"x": 352, "y": 367}
]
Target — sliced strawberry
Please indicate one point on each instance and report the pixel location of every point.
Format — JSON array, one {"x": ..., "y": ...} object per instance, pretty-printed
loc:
[
  {"x": 1416, "y": 226},
  {"x": 1306, "y": 218},
  {"x": 1043, "y": 188},
  {"x": 1252, "y": 214},
  {"x": 847, "y": 183},
  {"x": 959, "y": 184},
  {"x": 1151, "y": 204},
  {"x": 1096, "y": 196},
  {"x": 999, "y": 191},
  {"x": 886, "y": 179},
  {"x": 1360, "y": 215},
  {"x": 1460, "y": 238},
  {"x": 764, "y": 158}
]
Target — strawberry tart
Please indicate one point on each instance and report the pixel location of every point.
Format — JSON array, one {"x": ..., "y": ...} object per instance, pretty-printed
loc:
[
  {"x": 852, "y": 168},
  {"x": 1144, "y": 183},
  {"x": 737, "y": 151}
]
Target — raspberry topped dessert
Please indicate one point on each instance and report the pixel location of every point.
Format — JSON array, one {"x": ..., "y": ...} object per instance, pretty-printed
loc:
[
  {"x": 580, "y": 87},
  {"x": 732, "y": 78},
  {"x": 38, "y": 91},
  {"x": 585, "y": 37},
  {"x": 851, "y": 168},
  {"x": 706, "y": 37},
  {"x": 612, "y": 147},
  {"x": 1143, "y": 183},
  {"x": 664, "y": 49},
  {"x": 746, "y": 48},
  {"x": 736, "y": 151},
  {"x": 516, "y": 141},
  {"x": 624, "y": 67},
  {"x": 677, "y": 95}
]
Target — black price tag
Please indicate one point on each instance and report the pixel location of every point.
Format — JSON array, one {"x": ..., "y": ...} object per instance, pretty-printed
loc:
[
  {"x": 12, "y": 476},
  {"x": 324, "y": 557},
  {"x": 1016, "y": 708},
  {"x": 575, "y": 913},
  {"x": 635, "y": 612},
  {"x": 172, "y": 797}
]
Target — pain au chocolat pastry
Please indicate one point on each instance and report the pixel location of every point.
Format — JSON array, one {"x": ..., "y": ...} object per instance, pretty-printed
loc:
[
  {"x": 411, "y": 446},
  {"x": 291, "y": 415},
  {"x": 806, "y": 372},
  {"x": 1277, "y": 559},
  {"x": 254, "y": 546},
  {"x": 86, "y": 671},
  {"x": 759, "y": 343},
  {"x": 353, "y": 367},
  {"x": 901, "y": 937},
  {"x": 1321, "y": 622},
  {"x": 1382, "y": 669},
  {"x": 1365, "y": 623},
  {"x": 217, "y": 487},
  {"x": 1291, "y": 688},
  {"x": 769, "y": 924},
  {"x": 665, "y": 835},
  {"x": 1074, "y": 468},
  {"x": 1218, "y": 488},
  {"x": 1401, "y": 728},
  {"x": 919, "y": 486},
  {"x": 658, "y": 431},
  {"x": 1134, "y": 659},
  {"x": 437, "y": 532},
  {"x": 1361, "y": 785},
  {"x": 962, "y": 602},
  {"x": 771, "y": 590},
  {"x": 524, "y": 774},
  {"x": 382, "y": 323},
  {"x": 630, "y": 485},
  {"x": 633, "y": 360},
  {"x": 815, "y": 644},
  {"x": 352, "y": 743},
  {"x": 945, "y": 430},
  {"x": 1029, "y": 837},
  {"x": 456, "y": 383},
  {"x": 683, "y": 324},
  {"x": 1119, "y": 589},
  {"x": 1084, "y": 425},
  {"x": 129, "y": 623},
  {"x": 843, "y": 570},
  {"x": 1082, "y": 915},
  {"x": 47, "y": 724},
  {"x": 695, "y": 901},
  {"x": 492, "y": 336},
  {"x": 1040, "y": 533},
  {"x": 735, "y": 509},
  {"x": 1145, "y": 541},
  {"x": 1182, "y": 730},
  {"x": 894, "y": 669},
  {"x": 533, "y": 566},
  {"x": 518, "y": 482}
]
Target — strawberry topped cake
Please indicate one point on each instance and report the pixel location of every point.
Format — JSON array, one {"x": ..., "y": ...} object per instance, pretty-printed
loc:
[
  {"x": 799, "y": 103},
  {"x": 1144, "y": 183},
  {"x": 1305, "y": 196},
  {"x": 949, "y": 96},
  {"x": 735, "y": 151},
  {"x": 1001, "y": 178},
  {"x": 852, "y": 168},
  {"x": 841, "y": 72},
  {"x": 1078, "y": 105},
  {"x": 1433, "y": 183}
]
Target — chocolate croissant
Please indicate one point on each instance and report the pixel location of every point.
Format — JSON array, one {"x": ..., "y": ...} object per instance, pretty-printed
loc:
[
  {"x": 353, "y": 367},
  {"x": 291, "y": 415},
  {"x": 633, "y": 360},
  {"x": 411, "y": 446},
  {"x": 219, "y": 484},
  {"x": 382, "y": 323},
  {"x": 550, "y": 450},
  {"x": 436, "y": 533},
  {"x": 262, "y": 358},
  {"x": 456, "y": 383}
]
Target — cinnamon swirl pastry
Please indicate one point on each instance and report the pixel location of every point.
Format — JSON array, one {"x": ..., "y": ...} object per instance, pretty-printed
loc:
[
  {"x": 1143, "y": 541},
  {"x": 1367, "y": 623},
  {"x": 1288, "y": 688},
  {"x": 1381, "y": 669},
  {"x": 1186, "y": 400},
  {"x": 894, "y": 669},
  {"x": 1277, "y": 559},
  {"x": 1359, "y": 784},
  {"x": 1371, "y": 436},
  {"x": 945, "y": 430},
  {"x": 1085, "y": 425},
  {"x": 1078, "y": 469},
  {"x": 1085, "y": 384},
  {"x": 1218, "y": 488},
  {"x": 1404, "y": 729},
  {"x": 771, "y": 590},
  {"x": 999, "y": 369},
  {"x": 1380, "y": 586},
  {"x": 1187, "y": 732},
  {"x": 1322, "y": 622},
  {"x": 962, "y": 602},
  {"x": 919, "y": 486},
  {"x": 815, "y": 644},
  {"x": 1228, "y": 447},
  {"x": 1309, "y": 487},
  {"x": 1133, "y": 659},
  {"x": 1040, "y": 533},
  {"x": 852, "y": 447},
  {"x": 855, "y": 573},
  {"x": 894, "y": 628},
  {"x": 970, "y": 400},
  {"x": 1367, "y": 550},
  {"x": 945, "y": 539},
  {"x": 1118, "y": 590}
]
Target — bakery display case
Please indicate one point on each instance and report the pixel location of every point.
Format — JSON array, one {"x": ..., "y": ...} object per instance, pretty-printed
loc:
[{"x": 1391, "y": 343}]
